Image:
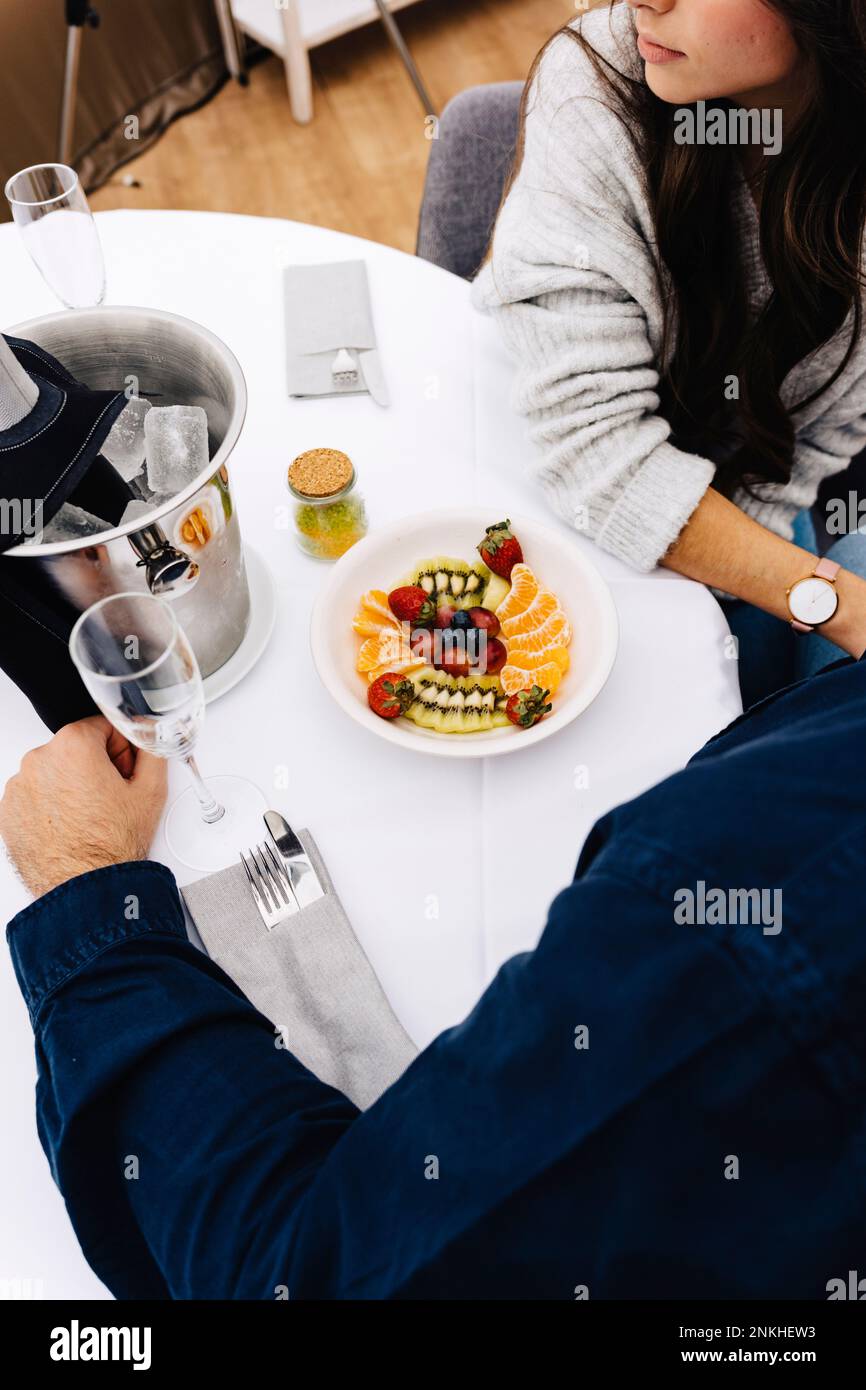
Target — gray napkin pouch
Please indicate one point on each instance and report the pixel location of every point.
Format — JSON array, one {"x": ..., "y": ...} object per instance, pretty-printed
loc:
[
  {"x": 327, "y": 307},
  {"x": 310, "y": 977}
]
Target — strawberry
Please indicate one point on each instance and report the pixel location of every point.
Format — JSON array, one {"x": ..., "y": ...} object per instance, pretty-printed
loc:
[
  {"x": 390, "y": 696},
  {"x": 526, "y": 707},
  {"x": 410, "y": 604},
  {"x": 499, "y": 550}
]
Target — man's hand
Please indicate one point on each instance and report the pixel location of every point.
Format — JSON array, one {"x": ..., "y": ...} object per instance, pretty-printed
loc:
[{"x": 85, "y": 800}]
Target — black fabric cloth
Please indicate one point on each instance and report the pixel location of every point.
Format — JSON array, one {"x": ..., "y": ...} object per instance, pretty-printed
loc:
[
  {"x": 51, "y": 457},
  {"x": 46, "y": 458}
]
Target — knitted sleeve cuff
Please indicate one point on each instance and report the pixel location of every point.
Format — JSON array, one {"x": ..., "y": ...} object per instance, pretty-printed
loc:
[{"x": 652, "y": 509}]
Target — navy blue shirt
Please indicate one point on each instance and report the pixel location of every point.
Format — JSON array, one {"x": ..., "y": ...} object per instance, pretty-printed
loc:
[{"x": 642, "y": 1107}]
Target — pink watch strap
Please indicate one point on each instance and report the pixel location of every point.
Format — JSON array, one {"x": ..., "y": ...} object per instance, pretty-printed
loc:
[{"x": 825, "y": 569}]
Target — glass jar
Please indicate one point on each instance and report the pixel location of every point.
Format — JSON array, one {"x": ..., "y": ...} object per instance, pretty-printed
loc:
[{"x": 329, "y": 512}]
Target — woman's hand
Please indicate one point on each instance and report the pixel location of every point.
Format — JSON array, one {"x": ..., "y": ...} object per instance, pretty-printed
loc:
[{"x": 84, "y": 800}]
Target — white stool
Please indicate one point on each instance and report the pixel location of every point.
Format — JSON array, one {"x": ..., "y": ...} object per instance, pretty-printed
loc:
[{"x": 287, "y": 29}]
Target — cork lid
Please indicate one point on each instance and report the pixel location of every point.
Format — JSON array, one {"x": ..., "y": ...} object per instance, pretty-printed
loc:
[{"x": 320, "y": 472}]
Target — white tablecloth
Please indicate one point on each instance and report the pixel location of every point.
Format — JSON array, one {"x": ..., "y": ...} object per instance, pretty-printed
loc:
[{"x": 423, "y": 852}]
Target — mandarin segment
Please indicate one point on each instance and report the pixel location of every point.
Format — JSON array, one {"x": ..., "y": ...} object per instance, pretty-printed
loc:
[
  {"x": 524, "y": 587},
  {"x": 516, "y": 678},
  {"x": 374, "y": 614},
  {"x": 366, "y": 625},
  {"x": 385, "y": 646},
  {"x": 374, "y": 605},
  {"x": 555, "y": 631},
  {"x": 371, "y": 654},
  {"x": 543, "y": 606},
  {"x": 530, "y": 661},
  {"x": 549, "y": 676}
]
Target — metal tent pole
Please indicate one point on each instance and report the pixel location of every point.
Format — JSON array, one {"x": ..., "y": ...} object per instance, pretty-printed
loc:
[
  {"x": 399, "y": 43},
  {"x": 78, "y": 13},
  {"x": 232, "y": 49}
]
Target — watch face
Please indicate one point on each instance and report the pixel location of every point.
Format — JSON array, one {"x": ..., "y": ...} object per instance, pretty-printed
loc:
[{"x": 813, "y": 601}]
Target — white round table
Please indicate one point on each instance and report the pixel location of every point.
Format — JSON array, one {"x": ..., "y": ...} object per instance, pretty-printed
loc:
[{"x": 422, "y": 850}]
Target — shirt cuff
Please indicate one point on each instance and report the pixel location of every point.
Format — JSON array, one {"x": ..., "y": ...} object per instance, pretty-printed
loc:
[{"x": 60, "y": 933}]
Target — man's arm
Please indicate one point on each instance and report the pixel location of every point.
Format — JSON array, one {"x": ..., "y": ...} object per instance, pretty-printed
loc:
[
  {"x": 180, "y": 1135},
  {"x": 573, "y": 1131},
  {"x": 200, "y": 1160}
]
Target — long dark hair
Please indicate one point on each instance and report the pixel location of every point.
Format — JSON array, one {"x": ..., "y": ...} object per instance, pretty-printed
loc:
[{"x": 812, "y": 220}]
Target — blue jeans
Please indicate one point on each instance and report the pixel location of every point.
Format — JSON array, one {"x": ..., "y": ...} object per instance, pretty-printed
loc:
[{"x": 771, "y": 654}]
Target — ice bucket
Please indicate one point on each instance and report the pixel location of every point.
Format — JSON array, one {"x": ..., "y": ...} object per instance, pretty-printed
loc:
[{"x": 170, "y": 360}]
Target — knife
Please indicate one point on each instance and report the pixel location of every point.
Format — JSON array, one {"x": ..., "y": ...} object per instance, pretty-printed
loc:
[
  {"x": 303, "y": 876},
  {"x": 374, "y": 377}
]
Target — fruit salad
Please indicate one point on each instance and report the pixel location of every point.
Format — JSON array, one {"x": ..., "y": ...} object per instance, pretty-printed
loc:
[{"x": 461, "y": 648}]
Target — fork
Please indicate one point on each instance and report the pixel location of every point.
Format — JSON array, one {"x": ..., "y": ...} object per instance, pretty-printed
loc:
[
  {"x": 270, "y": 886},
  {"x": 343, "y": 369}
]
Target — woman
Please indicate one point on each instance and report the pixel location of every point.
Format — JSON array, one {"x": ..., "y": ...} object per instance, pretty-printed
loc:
[{"x": 687, "y": 309}]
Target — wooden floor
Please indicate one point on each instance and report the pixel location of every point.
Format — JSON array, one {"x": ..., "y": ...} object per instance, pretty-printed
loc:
[{"x": 359, "y": 167}]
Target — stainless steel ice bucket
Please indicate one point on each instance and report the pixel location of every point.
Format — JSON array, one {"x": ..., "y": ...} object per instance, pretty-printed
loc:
[{"x": 188, "y": 549}]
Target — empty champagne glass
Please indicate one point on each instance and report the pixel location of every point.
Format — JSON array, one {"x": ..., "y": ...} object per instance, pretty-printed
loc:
[
  {"x": 50, "y": 207},
  {"x": 137, "y": 663}
]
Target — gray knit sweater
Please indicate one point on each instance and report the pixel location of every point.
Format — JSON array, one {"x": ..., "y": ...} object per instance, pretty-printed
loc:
[{"x": 573, "y": 284}]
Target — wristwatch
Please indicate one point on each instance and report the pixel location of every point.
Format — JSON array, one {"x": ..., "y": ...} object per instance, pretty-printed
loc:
[{"x": 814, "y": 600}]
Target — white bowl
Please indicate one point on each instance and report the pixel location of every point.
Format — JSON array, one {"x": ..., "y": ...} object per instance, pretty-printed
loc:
[{"x": 379, "y": 562}]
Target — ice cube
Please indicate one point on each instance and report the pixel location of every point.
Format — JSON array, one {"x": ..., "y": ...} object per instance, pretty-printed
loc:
[
  {"x": 125, "y": 445},
  {"x": 177, "y": 447},
  {"x": 71, "y": 523},
  {"x": 154, "y": 500},
  {"x": 134, "y": 510},
  {"x": 139, "y": 489}
]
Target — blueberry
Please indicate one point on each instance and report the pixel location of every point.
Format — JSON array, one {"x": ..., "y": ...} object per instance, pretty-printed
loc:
[{"x": 461, "y": 620}]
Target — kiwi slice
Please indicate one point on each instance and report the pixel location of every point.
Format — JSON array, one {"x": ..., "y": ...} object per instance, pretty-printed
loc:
[
  {"x": 457, "y": 704},
  {"x": 453, "y": 581}
]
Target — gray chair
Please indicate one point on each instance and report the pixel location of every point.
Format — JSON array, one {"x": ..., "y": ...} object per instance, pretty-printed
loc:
[{"x": 470, "y": 160}]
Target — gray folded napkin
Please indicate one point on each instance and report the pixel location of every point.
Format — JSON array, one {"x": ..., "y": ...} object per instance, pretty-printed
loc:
[
  {"x": 310, "y": 977},
  {"x": 328, "y": 308}
]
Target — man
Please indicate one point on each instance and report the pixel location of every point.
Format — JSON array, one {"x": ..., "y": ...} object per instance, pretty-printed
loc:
[{"x": 665, "y": 1099}]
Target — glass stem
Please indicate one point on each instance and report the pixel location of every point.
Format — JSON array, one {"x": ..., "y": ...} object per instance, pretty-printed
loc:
[{"x": 211, "y": 810}]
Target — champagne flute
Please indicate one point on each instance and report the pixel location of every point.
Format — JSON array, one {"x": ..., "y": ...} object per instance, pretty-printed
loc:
[
  {"x": 137, "y": 663},
  {"x": 50, "y": 208}
]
